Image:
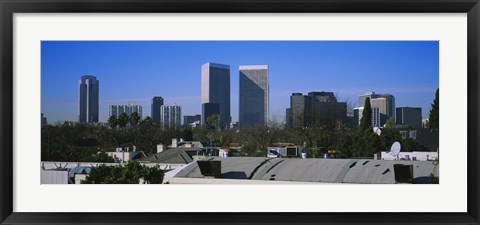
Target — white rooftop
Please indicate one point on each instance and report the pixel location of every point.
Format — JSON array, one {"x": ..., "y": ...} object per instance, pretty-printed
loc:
[{"x": 253, "y": 67}]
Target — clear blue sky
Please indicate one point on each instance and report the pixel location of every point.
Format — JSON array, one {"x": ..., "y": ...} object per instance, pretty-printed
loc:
[{"x": 135, "y": 71}]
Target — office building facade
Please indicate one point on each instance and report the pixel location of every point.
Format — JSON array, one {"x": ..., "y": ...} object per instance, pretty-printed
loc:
[
  {"x": 411, "y": 116},
  {"x": 385, "y": 103},
  {"x": 254, "y": 96},
  {"x": 191, "y": 119},
  {"x": 315, "y": 108},
  {"x": 326, "y": 109},
  {"x": 88, "y": 99},
  {"x": 209, "y": 109},
  {"x": 288, "y": 117},
  {"x": 299, "y": 108},
  {"x": 358, "y": 114},
  {"x": 157, "y": 101},
  {"x": 216, "y": 89}
]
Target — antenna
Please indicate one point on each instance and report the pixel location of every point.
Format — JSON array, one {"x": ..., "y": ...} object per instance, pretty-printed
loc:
[
  {"x": 395, "y": 149},
  {"x": 377, "y": 131}
]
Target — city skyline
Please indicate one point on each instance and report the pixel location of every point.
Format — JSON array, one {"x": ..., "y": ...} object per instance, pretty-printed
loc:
[{"x": 135, "y": 72}]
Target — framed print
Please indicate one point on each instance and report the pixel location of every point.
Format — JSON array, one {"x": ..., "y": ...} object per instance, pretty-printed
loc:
[{"x": 262, "y": 112}]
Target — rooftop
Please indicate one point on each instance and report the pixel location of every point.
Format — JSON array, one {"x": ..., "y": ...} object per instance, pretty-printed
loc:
[
  {"x": 253, "y": 67},
  {"x": 365, "y": 171}
]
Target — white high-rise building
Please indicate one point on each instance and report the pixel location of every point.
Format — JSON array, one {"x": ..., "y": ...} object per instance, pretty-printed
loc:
[
  {"x": 117, "y": 110},
  {"x": 170, "y": 116},
  {"x": 254, "y": 96}
]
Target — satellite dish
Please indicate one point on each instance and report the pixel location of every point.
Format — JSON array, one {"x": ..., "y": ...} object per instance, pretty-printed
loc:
[
  {"x": 395, "y": 149},
  {"x": 377, "y": 131}
]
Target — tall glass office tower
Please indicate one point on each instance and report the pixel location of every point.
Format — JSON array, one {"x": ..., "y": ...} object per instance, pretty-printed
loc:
[
  {"x": 88, "y": 99},
  {"x": 157, "y": 101},
  {"x": 216, "y": 89},
  {"x": 254, "y": 98}
]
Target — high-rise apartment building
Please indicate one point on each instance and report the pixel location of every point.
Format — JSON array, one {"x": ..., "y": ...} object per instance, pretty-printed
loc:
[
  {"x": 254, "y": 96},
  {"x": 117, "y": 110},
  {"x": 88, "y": 103},
  {"x": 385, "y": 103},
  {"x": 155, "y": 110},
  {"x": 411, "y": 116},
  {"x": 216, "y": 89},
  {"x": 170, "y": 116}
]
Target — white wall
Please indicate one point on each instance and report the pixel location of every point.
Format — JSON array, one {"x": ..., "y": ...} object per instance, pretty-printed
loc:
[{"x": 421, "y": 156}]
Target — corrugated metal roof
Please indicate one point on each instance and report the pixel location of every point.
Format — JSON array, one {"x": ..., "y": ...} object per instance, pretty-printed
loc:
[{"x": 314, "y": 170}]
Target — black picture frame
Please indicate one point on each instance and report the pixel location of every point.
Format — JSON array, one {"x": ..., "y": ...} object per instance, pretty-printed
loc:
[{"x": 9, "y": 7}]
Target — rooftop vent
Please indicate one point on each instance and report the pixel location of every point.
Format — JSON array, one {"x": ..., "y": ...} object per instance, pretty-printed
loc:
[
  {"x": 212, "y": 168},
  {"x": 403, "y": 173}
]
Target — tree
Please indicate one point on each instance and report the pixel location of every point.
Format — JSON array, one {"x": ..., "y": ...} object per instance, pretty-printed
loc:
[
  {"x": 147, "y": 121},
  {"x": 388, "y": 137},
  {"x": 213, "y": 122},
  {"x": 134, "y": 118},
  {"x": 154, "y": 175},
  {"x": 390, "y": 122},
  {"x": 366, "y": 122},
  {"x": 433, "y": 118},
  {"x": 410, "y": 145},
  {"x": 132, "y": 173},
  {"x": 112, "y": 122},
  {"x": 123, "y": 120}
]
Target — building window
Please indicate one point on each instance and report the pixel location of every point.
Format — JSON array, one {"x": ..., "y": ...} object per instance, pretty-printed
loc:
[
  {"x": 413, "y": 134},
  {"x": 403, "y": 134}
]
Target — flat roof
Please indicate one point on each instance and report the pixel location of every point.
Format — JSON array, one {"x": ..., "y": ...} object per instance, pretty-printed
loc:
[
  {"x": 253, "y": 67},
  {"x": 217, "y": 65}
]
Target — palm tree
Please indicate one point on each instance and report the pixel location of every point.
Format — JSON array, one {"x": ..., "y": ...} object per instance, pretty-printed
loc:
[
  {"x": 123, "y": 120},
  {"x": 113, "y": 122},
  {"x": 134, "y": 118}
]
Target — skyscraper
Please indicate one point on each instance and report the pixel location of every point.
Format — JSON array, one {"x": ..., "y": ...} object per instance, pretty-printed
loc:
[
  {"x": 385, "y": 103},
  {"x": 216, "y": 89},
  {"x": 88, "y": 94},
  {"x": 254, "y": 98},
  {"x": 315, "y": 108},
  {"x": 300, "y": 105},
  {"x": 156, "y": 103},
  {"x": 209, "y": 109},
  {"x": 411, "y": 116}
]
